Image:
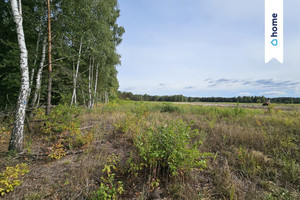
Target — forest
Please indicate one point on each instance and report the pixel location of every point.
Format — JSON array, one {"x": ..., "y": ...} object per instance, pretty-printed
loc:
[
  {"x": 84, "y": 37},
  {"x": 181, "y": 98},
  {"x": 66, "y": 132}
]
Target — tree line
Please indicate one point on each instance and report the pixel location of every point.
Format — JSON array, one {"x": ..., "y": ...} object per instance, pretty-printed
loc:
[
  {"x": 57, "y": 51},
  {"x": 181, "y": 98}
]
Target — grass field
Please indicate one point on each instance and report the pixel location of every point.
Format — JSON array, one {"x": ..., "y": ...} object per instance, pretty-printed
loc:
[{"x": 143, "y": 150}]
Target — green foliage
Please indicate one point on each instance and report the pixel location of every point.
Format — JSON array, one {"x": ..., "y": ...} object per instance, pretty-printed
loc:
[
  {"x": 291, "y": 171},
  {"x": 276, "y": 192},
  {"x": 57, "y": 151},
  {"x": 110, "y": 188},
  {"x": 10, "y": 178},
  {"x": 130, "y": 125},
  {"x": 181, "y": 98},
  {"x": 255, "y": 155},
  {"x": 61, "y": 119},
  {"x": 248, "y": 163},
  {"x": 62, "y": 127},
  {"x": 169, "y": 108},
  {"x": 99, "y": 42},
  {"x": 238, "y": 110},
  {"x": 10, "y": 75},
  {"x": 173, "y": 146}
]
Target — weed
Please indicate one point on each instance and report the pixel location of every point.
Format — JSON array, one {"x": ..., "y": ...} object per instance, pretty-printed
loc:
[
  {"x": 291, "y": 171},
  {"x": 61, "y": 119},
  {"x": 276, "y": 192},
  {"x": 62, "y": 130},
  {"x": 29, "y": 146},
  {"x": 270, "y": 109},
  {"x": 57, "y": 151},
  {"x": 238, "y": 110},
  {"x": 255, "y": 152},
  {"x": 110, "y": 189},
  {"x": 249, "y": 164},
  {"x": 9, "y": 179}
]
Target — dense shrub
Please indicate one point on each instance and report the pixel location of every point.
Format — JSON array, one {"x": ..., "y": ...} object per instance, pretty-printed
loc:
[
  {"x": 172, "y": 148},
  {"x": 169, "y": 108},
  {"x": 62, "y": 128}
]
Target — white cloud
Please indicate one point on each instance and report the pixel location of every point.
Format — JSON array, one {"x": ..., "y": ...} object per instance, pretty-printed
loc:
[
  {"x": 244, "y": 94},
  {"x": 274, "y": 93}
]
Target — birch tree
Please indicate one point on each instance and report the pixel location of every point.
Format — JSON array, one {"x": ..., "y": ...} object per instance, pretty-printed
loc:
[
  {"x": 75, "y": 75},
  {"x": 72, "y": 49},
  {"x": 37, "y": 92},
  {"x": 90, "y": 85},
  {"x": 95, "y": 89},
  {"x": 17, "y": 136}
]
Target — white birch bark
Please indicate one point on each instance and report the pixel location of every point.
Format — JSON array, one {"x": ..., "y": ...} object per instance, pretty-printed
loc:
[
  {"x": 35, "y": 58},
  {"x": 39, "y": 76},
  {"x": 31, "y": 78},
  {"x": 17, "y": 135},
  {"x": 76, "y": 75},
  {"x": 95, "y": 89},
  {"x": 37, "y": 45},
  {"x": 92, "y": 79},
  {"x": 90, "y": 89},
  {"x": 30, "y": 83},
  {"x": 74, "y": 90}
]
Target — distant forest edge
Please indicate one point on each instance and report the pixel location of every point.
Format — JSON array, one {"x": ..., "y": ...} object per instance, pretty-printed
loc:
[{"x": 181, "y": 98}]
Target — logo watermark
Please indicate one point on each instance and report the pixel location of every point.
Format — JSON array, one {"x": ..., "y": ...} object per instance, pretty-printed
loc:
[{"x": 273, "y": 30}]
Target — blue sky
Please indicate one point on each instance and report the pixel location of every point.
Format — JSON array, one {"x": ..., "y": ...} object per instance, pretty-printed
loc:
[{"x": 205, "y": 48}]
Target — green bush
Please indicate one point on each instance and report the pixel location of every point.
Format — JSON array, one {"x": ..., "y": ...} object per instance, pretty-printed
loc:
[
  {"x": 9, "y": 179},
  {"x": 173, "y": 147},
  {"x": 61, "y": 119},
  {"x": 62, "y": 128},
  {"x": 169, "y": 108}
]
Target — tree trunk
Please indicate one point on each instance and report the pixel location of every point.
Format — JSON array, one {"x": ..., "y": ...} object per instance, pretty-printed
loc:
[
  {"x": 30, "y": 83},
  {"x": 17, "y": 135},
  {"x": 95, "y": 89},
  {"x": 39, "y": 76},
  {"x": 35, "y": 58},
  {"x": 76, "y": 75},
  {"x": 92, "y": 79},
  {"x": 106, "y": 97},
  {"x": 49, "y": 61},
  {"x": 37, "y": 44},
  {"x": 90, "y": 86}
]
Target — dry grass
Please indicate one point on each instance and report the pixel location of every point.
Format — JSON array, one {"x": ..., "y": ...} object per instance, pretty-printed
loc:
[{"x": 255, "y": 154}]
